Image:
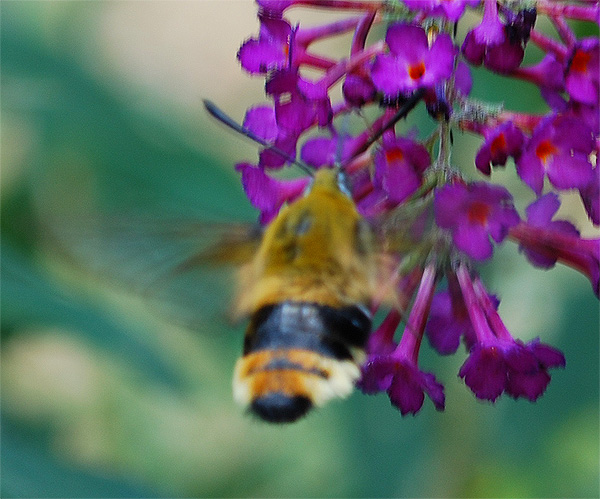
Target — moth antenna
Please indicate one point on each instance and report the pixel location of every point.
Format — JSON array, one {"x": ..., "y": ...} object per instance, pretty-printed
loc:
[{"x": 214, "y": 111}]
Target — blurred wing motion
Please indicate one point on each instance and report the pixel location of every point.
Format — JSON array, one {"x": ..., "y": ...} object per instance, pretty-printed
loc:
[{"x": 175, "y": 265}]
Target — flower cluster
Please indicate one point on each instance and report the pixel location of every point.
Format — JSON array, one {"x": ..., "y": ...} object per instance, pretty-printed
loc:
[{"x": 452, "y": 221}]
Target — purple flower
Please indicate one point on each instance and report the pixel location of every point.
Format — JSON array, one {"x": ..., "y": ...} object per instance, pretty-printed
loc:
[
  {"x": 450, "y": 9},
  {"x": 582, "y": 75},
  {"x": 500, "y": 143},
  {"x": 502, "y": 57},
  {"x": 462, "y": 79},
  {"x": 489, "y": 43},
  {"x": 560, "y": 149},
  {"x": 528, "y": 366},
  {"x": 323, "y": 151},
  {"x": 399, "y": 167},
  {"x": 485, "y": 371},
  {"x": 447, "y": 322},
  {"x": 358, "y": 90},
  {"x": 274, "y": 8},
  {"x": 440, "y": 222},
  {"x": 449, "y": 319},
  {"x": 474, "y": 212},
  {"x": 299, "y": 104},
  {"x": 405, "y": 384},
  {"x": 411, "y": 63},
  {"x": 585, "y": 113},
  {"x": 266, "y": 193},
  {"x": 497, "y": 362},
  {"x": 261, "y": 121},
  {"x": 271, "y": 50},
  {"x": 539, "y": 214},
  {"x": 520, "y": 370},
  {"x": 396, "y": 372}
]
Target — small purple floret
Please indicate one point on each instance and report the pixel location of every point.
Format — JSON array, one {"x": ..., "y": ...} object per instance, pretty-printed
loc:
[
  {"x": 405, "y": 384},
  {"x": 261, "y": 121},
  {"x": 517, "y": 368},
  {"x": 501, "y": 143},
  {"x": 583, "y": 73},
  {"x": 559, "y": 148},
  {"x": 270, "y": 50},
  {"x": 473, "y": 213},
  {"x": 539, "y": 214},
  {"x": 411, "y": 63},
  {"x": 399, "y": 167}
]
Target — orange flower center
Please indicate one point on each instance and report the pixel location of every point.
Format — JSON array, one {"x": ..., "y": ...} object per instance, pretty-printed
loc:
[
  {"x": 395, "y": 154},
  {"x": 416, "y": 71},
  {"x": 580, "y": 61},
  {"x": 498, "y": 144},
  {"x": 478, "y": 212},
  {"x": 545, "y": 150}
]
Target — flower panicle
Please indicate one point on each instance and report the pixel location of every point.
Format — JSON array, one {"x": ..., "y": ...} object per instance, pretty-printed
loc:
[{"x": 451, "y": 217}]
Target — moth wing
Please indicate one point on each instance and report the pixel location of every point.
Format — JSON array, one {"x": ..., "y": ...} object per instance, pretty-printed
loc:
[
  {"x": 185, "y": 269},
  {"x": 393, "y": 238}
]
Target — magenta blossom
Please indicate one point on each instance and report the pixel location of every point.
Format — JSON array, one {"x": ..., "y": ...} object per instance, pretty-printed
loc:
[
  {"x": 539, "y": 214},
  {"x": 299, "y": 104},
  {"x": 520, "y": 370},
  {"x": 463, "y": 83},
  {"x": 583, "y": 74},
  {"x": 396, "y": 372},
  {"x": 261, "y": 121},
  {"x": 405, "y": 384},
  {"x": 449, "y": 319},
  {"x": 548, "y": 75},
  {"x": 474, "y": 212},
  {"x": 559, "y": 148},
  {"x": 500, "y": 47},
  {"x": 399, "y": 167},
  {"x": 411, "y": 63},
  {"x": 271, "y": 50},
  {"x": 358, "y": 90},
  {"x": 324, "y": 151},
  {"x": 447, "y": 322},
  {"x": 498, "y": 363},
  {"x": 500, "y": 143},
  {"x": 450, "y": 9}
]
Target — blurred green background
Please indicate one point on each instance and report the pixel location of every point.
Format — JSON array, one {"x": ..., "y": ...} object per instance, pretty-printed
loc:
[{"x": 101, "y": 109}]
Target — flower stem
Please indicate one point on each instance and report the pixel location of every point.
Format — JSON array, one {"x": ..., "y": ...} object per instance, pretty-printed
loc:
[
  {"x": 478, "y": 320},
  {"x": 581, "y": 13},
  {"x": 341, "y": 4},
  {"x": 415, "y": 326},
  {"x": 547, "y": 44}
]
